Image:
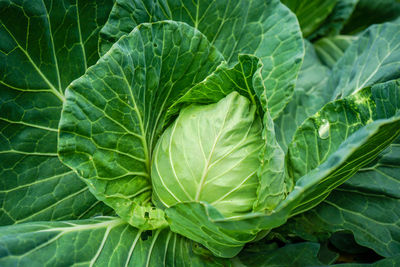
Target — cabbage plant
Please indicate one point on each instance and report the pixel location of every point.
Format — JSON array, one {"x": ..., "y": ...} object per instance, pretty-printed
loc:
[{"x": 198, "y": 133}]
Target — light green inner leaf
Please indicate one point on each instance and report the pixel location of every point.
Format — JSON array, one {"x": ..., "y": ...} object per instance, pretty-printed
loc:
[{"x": 210, "y": 154}]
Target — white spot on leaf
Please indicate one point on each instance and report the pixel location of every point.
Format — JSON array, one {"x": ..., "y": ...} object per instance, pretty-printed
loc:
[{"x": 323, "y": 130}]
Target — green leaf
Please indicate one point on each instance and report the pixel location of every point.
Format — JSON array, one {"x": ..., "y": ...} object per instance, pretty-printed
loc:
[
  {"x": 344, "y": 242},
  {"x": 309, "y": 96},
  {"x": 368, "y": 12},
  {"x": 331, "y": 49},
  {"x": 234, "y": 27},
  {"x": 115, "y": 113},
  {"x": 373, "y": 218},
  {"x": 387, "y": 262},
  {"x": 198, "y": 221},
  {"x": 373, "y": 58},
  {"x": 311, "y": 14},
  {"x": 378, "y": 108},
  {"x": 336, "y": 20},
  {"x": 300, "y": 254},
  {"x": 44, "y": 46},
  {"x": 274, "y": 184},
  {"x": 322, "y": 134},
  {"x": 210, "y": 154},
  {"x": 381, "y": 176},
  {"x": 103, "y": 241},
  {"x": 367, "y": 205},
  {"x": 40, "y": 188}
]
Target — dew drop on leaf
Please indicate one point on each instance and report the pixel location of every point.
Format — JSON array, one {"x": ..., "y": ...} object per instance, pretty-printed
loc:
[{"x": 323, "y": 130}]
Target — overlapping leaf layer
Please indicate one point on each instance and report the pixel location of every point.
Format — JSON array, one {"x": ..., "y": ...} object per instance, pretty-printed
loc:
[{"x": 177, "y": 133}]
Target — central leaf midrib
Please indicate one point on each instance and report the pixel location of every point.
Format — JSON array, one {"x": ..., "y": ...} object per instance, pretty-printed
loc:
[
  {"x": 141, "y": 125},
  {"x": 53, "y": 48},
  {"x": 132, "y": 248},
  {"x": 80, "y": 35},
  {"x": 152, "y": 247},
  {"x": 206, "y": 167}
]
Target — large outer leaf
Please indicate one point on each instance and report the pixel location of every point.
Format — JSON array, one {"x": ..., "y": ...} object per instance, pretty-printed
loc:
[
  {"x": 115, "y": 113},
  {"x": 387, "y": 262},
  {"x": 373, "y": 58},
  {"x": 367, "y": 204},
  {"x": 44, "y": 46},
  {"x": 226, "y": 236},
  {"x": 311, "y": 14},
  {"x": 323, "y": 133},
  {"x": 264, "y": 255},
  {"x": 242, "y": 26},
  {"x": 104, "y": 241},
  {"x": 210, "y": 154}
]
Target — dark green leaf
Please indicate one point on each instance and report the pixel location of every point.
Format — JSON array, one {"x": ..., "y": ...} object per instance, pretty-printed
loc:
[
  {"x": 388, "y": 262},
  {"x": 44, "y": 45},
  {"x": 322, "y": 133},
  {"x": 103, "y": 241},
  {"x": 336, "y": 20},
  {"x": 311, "y": 14},
  {"x": 247, "y": 27},
  {"x": 328, "y": 131},
  {"x": 368, "y": 12},
  {"x": 300, "y": 254},
  {"x": 367, "y": 205}
]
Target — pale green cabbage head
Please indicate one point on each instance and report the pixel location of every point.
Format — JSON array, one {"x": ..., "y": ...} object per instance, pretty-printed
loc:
[{"x": 210, "y": 153}]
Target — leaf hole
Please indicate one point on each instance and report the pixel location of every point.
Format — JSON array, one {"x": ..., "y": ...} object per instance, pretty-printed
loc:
[
  {"x": 154, "y": 44},
  {"x": 146, "y": 234},
  {"x": 146, "y": 215}
]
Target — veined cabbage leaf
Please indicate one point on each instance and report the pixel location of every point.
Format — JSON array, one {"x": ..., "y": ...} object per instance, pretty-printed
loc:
[
  {"x": 210, "y": 153},
  {"x": 44, "y": 45},
  {"x": 233, "y": 27},
  {"x": 188, "y": 130}
]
